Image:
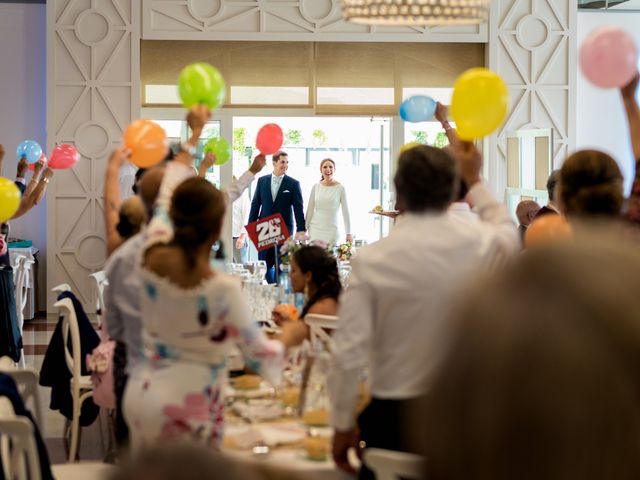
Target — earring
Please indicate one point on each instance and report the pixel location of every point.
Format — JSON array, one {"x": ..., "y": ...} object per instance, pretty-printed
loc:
[{"x": 306, "y": 291}]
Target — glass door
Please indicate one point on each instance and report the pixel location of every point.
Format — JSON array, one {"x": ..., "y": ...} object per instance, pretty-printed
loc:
[{"x": 359, "y": 147}]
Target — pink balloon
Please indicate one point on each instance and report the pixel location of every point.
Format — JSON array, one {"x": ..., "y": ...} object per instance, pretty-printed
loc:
[
  {"x": 609, "y": 57},
  {"x": 269, "y": 139},
  {"x": 63, "y": 156}
]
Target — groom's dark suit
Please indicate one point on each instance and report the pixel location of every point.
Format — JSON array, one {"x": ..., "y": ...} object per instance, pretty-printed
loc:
[{"x": 288, "y": 203}]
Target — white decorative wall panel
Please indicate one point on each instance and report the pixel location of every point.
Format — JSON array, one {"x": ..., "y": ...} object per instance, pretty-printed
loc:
[
  {"x": 532, "y": 45},
  {"x": 280, "y": 20},
  {"x": 93, "y": 84}
]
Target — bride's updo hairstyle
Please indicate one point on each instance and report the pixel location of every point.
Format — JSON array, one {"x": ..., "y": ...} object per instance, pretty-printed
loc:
[
  {"x": 322, "y": 165},
  {"x": 591, "y": 185},
  {"x": 197, "y": 210}
]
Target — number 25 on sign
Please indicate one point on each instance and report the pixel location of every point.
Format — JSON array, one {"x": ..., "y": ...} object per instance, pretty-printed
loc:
[{"x": 268, "y": 232}]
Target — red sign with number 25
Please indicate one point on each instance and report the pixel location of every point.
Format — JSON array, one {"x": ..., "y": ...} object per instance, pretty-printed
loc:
[{"x": 268, "y": 231}]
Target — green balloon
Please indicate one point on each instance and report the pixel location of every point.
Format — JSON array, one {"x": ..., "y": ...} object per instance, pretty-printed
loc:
[
  {"x": 220, "y": 148},
  {"x": 201, "y": 84}
]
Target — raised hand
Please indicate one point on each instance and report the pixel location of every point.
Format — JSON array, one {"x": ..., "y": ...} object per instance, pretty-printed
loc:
[
  {"x": 197, "y": 119},
  {"x": 23, "y": 166},
  {"x": 628, "y": 92},
  {"x": 258, "y": 164},
  {"x": 207, "y": 162},
  {"x": 469, "y": 160}
]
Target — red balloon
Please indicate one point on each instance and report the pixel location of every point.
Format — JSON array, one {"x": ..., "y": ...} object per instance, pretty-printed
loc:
[
  {"x": 32, "y": 166},
  {"x": 269, "y": 139},
  {"x": 63, "y": 156}
]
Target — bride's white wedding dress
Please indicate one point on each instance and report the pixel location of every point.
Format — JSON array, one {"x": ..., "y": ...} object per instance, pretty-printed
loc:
[{"x": 322, "y": 212}]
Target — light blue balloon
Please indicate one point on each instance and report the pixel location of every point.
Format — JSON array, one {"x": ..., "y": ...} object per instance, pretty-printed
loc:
[
  {"x": 418, "y": 108},
  {"x": 29, "y": 149}
]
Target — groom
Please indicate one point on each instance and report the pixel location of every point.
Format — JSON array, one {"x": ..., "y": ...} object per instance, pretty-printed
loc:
[{"x": 277, "y": 193}]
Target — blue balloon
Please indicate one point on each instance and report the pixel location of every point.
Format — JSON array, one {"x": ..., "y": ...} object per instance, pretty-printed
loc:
[
  {"x": 418, "y": 108},
  {"x": 29, "y": 149}
]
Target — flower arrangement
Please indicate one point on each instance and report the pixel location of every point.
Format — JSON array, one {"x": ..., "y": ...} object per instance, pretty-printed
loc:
[
  {"x": 293, "y": 244},
  {"x": 344, "y": 252}
]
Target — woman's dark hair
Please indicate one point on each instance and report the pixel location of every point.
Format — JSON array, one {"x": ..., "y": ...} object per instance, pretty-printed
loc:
[
  {"x": 323, "y": 162},
  {"x": 426, "y": 179},
  {"x": 197, "y": 210},
  {"x": 591, "y": 185},
  {"x": 324, "y": 273}
]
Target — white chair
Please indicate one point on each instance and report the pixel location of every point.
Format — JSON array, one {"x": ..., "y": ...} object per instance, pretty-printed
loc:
[
  {"x": 27, "y": 382},
  {"x": 390, "y": 465},
  {"x": 20, "y": 454},
  {"x": 319, "y": 325},
  {"x": 81, "y": 386},
  {"x": 63, "y": 287},
  {"x": 101, "y": 283},
  {"x": 21, "y": 278}
]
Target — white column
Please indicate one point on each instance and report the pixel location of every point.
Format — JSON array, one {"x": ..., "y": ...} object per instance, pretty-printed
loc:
[
  {"x": 532, "y": 45},
  {"x": 93, "y": 92}
]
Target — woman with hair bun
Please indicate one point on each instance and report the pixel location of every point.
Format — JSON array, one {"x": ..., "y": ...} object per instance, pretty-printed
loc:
[
  {"x": 326, "y": 198},
  {"x": 192, "y": 315}
]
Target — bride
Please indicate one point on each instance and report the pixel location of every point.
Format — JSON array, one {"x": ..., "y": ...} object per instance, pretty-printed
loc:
[{"x": 322, "y": 211}]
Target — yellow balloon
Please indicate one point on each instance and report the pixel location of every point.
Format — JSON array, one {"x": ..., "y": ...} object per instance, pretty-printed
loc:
[
  {"x": 408, "y": 146},
  {"x": 479, "y": 103},
  {"x": 9, "y": 199}
]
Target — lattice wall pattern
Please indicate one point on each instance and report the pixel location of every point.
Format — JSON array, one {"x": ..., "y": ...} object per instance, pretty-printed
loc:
[
  {"x": 92, "y": 94},
  {"x": 532, "y": 44},
  {"x": 280, "y": 20}
]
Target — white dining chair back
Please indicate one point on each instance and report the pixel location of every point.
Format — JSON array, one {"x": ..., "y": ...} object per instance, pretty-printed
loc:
[
  {"x": 81, "y": 386},
  {"x": 27, "y": 382},
  {"x": 101, "y": 282},
  {"x": 320, "y": 328},
  {"x": 19, "y": 453},
  {"x": 21, "y": 278},
  {"x": 391, "y": 465}
]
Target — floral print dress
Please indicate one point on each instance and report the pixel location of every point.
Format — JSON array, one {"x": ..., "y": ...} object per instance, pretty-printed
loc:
[{"x": 177, "y": 391}]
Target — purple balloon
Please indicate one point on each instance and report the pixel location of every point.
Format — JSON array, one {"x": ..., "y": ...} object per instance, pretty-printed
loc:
[{"x": 609, "y": 57}]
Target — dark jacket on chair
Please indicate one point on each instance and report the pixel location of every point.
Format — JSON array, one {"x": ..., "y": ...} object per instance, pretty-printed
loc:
[
  {"x": 9, "y": 389},
  {"x": 55, "y": 373}
]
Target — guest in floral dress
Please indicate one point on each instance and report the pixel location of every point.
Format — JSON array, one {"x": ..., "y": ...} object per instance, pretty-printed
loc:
[{"x": 192, "y": 315}]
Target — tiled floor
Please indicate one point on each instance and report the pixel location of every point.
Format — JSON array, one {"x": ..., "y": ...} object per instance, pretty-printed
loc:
[{"x": 94, "y": 439}]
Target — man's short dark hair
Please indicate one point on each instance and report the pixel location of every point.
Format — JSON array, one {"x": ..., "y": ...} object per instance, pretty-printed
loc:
[
  {"x": 276, "y": 156},
  {"x": 552, "y": 182},
  {"x": 426, "y": 179}
]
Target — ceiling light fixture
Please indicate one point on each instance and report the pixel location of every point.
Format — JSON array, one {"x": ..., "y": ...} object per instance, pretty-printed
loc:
[{"x": 416, "y": 12}]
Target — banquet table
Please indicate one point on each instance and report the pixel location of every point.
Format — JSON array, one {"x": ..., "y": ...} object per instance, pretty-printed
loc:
[{"x": 282, "y": 432}]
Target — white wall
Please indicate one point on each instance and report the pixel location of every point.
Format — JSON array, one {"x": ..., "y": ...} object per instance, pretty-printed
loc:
[
  {"x": 23, "y": 31},
  {"x": 600, "y": 116}
]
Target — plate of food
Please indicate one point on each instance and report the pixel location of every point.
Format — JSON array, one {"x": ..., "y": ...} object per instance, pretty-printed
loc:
[
  {"x": 378, "y": 210},
  {"x": 248, "y": 386}
]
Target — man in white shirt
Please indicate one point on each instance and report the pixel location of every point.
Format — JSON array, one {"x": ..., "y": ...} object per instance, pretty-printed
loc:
[
  {"x": 240, "y": 216},
  {"x": 393, "y": 315}
]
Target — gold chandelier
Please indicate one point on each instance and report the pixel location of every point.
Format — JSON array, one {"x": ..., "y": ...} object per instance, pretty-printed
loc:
[{"x": 415, "y": 12}]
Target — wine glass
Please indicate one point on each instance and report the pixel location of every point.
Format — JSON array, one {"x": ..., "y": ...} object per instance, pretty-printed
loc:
[{"x": 260, "y": 270}]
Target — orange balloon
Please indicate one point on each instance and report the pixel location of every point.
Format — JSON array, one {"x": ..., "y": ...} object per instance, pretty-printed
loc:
[
  {"x": 147, "y": 141},
  {"x": 547, "y": 229}
]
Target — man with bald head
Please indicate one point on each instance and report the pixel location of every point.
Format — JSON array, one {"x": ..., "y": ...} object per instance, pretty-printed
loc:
[{"x": 526, "y": 212}]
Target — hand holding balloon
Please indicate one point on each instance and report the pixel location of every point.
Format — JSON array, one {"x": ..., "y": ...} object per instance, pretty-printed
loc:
[
  {"x": 220, "y": 148},
  {"x": 29, "y": 149}
]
